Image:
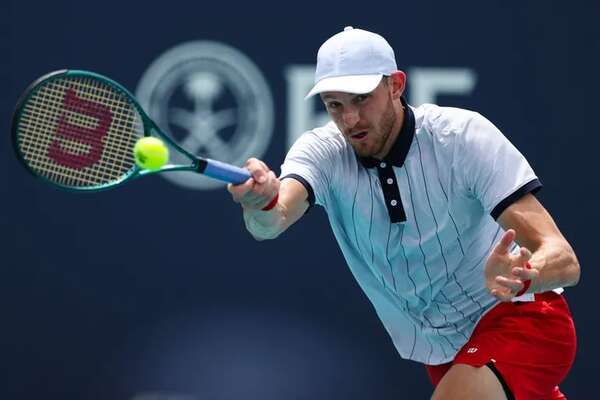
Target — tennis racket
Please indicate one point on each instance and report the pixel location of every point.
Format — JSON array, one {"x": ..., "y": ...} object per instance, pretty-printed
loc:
[{"x": 77, "y": 129}]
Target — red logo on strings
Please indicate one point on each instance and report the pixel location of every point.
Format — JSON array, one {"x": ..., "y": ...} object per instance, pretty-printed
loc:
[{"x": 91, "y": 137}]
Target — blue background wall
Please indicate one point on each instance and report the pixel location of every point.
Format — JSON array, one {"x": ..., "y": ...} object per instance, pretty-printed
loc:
[{"x": 101, "y": 302}]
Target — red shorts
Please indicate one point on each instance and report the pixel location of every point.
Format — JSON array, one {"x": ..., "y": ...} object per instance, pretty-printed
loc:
[{"x": 530, "y": 344}]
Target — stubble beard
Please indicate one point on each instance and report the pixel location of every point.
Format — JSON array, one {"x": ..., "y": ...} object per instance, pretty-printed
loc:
[{"x": 380, "y": 135}]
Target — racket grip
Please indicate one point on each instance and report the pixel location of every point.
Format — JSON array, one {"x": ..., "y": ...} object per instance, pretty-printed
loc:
[{"x": 225, "y": 172}]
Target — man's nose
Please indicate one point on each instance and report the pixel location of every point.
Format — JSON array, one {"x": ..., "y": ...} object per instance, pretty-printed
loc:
[{"x": 350, "y": 117}]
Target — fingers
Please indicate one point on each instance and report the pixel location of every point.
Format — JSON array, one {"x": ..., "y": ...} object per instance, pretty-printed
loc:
[
  {"x": 257, "y": 191},
  {"x": 506, "y": 271},
  {"x": 505, "y": 288},
  {"x": 239, "y": 191},
  {"x": 502, "y": 250},
  {"x": 258, "y": 169},
  {"x": 525, "y": 274},
  {"x": 525, "y": 254},
  {"x": 503, "y": 245},
  {"x": 513, "y": 285},
  {"x": 519, "y": 265},
  {"x": 503, "y": 295}
]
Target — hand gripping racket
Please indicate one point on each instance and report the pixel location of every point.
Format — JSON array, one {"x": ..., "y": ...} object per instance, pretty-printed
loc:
[{"x": 77, "y": 129}]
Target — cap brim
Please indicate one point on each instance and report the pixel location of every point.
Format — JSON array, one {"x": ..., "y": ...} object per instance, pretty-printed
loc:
[{"x": 358, "y": 84}]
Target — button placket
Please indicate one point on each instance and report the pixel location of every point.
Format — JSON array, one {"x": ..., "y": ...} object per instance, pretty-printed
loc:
[{"x": 391, "y": 192}]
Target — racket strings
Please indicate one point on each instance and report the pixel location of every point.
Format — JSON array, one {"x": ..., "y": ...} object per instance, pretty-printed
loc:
[
  {"x": 79, "y": 132},
  {"x": 72, "y": 147}
]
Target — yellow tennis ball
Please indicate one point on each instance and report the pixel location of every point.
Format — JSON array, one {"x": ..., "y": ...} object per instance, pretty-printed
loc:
[{"x": 150, "y": 153}]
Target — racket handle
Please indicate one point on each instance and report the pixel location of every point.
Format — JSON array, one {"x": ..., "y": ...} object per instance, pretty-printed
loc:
[{"x": 225, "y": 172}]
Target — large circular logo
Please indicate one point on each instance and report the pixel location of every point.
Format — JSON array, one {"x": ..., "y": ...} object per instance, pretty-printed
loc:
[{"x": 213, "y": 101}]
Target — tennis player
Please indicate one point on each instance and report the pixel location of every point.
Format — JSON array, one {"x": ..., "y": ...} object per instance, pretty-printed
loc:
[{"x": 435, "y": 213}]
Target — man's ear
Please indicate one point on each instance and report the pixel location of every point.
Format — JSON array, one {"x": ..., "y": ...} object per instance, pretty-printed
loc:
[{"x": 398, "y": 84}]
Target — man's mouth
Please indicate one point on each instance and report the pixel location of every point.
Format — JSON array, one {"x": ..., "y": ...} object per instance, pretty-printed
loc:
[{"x": 359, "y": 135}]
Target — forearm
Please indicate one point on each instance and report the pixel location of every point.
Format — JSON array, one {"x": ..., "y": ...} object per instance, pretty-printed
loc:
[{"x": 557, "y": 264}]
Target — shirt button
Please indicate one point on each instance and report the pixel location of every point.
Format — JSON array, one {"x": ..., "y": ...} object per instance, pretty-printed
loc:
[
  {"x": 393, "y": 203},
  {"x": 383, "y": 165},
  {"x": 390, "y": 181}
]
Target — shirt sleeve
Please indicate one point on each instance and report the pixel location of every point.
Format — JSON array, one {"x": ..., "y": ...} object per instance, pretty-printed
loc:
[
  {"x": 310, "y": 162},
  {"x": 492, "y": 168}
]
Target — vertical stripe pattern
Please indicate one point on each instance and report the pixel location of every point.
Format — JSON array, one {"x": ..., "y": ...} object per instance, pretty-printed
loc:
[{"x": 423, "y": 273}]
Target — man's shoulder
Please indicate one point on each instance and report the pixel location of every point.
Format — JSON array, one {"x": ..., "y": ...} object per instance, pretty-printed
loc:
[
  {"x": 329, "y": 131},
  {"x": 327, "y": 135},
  {"x": 443, "y": 121}
]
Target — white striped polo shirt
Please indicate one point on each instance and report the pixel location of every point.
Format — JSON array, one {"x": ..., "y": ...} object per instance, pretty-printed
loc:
[{"x": 416, "y": 228}]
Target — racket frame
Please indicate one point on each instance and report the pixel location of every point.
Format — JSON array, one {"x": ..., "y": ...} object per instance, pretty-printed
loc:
[{"x": 150, "y": 128}]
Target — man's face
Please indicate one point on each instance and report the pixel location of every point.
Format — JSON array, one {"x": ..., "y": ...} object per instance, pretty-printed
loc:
[{"x": 366, "y": 120}]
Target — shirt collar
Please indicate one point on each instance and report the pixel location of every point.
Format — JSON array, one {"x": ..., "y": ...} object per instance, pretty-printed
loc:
[{"x": 399, "y": 150}]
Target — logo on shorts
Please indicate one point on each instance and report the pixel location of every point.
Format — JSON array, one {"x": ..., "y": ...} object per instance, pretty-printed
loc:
[
  {"x": 472, "y": 350},
  {"x": 213, "y": 101}
]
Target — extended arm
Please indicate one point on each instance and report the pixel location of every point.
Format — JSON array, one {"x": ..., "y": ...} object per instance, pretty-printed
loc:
[{"x": 551, "y": 257}]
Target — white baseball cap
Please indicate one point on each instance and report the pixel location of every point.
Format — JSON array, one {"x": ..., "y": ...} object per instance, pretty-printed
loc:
[{"x": 352, "y": 61}]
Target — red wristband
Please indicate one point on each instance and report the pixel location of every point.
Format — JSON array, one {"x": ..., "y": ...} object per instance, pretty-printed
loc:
[
  {"x": 272, "y": 203},
  {"x": 526, "y": 284}
]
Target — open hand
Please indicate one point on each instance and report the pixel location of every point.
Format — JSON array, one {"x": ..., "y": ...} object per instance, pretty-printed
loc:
[{"x": 506, "y": 272}]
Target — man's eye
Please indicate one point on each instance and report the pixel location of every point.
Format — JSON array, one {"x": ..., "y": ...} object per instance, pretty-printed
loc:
[
  {"x": 333, "y": 105},
  {"x": 361, "y": 97}
]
